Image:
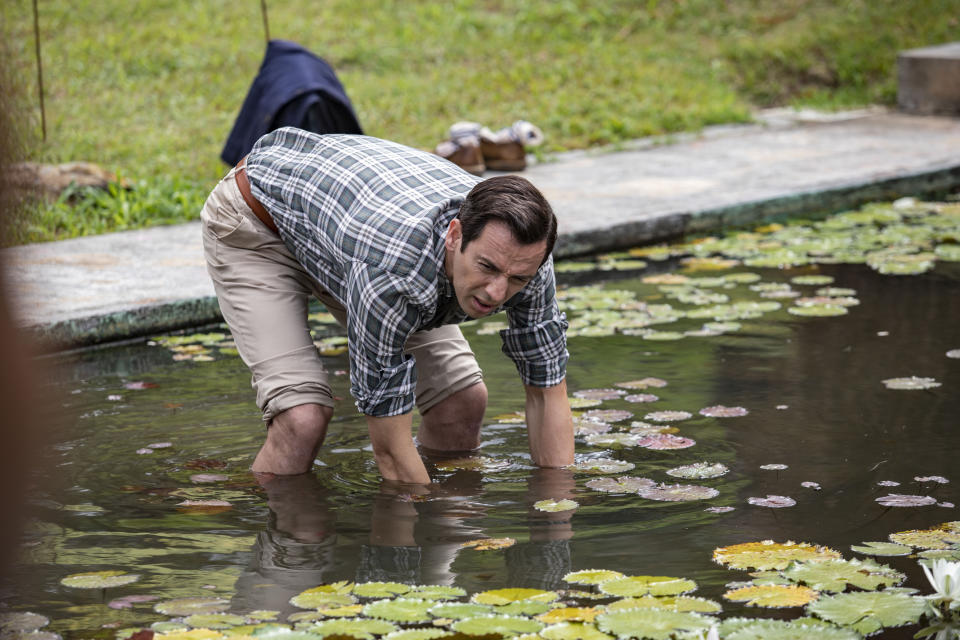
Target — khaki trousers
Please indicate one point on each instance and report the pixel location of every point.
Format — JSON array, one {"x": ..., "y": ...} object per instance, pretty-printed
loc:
[{"x": 264, "y": 294}]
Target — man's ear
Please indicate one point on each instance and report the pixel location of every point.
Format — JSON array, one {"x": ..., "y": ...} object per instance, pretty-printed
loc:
[{"x": 453, "y": 237}]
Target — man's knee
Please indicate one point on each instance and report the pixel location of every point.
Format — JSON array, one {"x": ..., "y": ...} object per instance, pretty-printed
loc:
[
  {"x": 305, "y": 423},
  {"x": 454, "y": 423}
]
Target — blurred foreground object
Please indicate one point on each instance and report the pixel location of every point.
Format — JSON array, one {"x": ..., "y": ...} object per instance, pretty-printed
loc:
[{"x": 928, "y": 80}]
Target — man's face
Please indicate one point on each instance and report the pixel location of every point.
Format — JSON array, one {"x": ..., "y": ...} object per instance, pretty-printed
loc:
[{"x": 492, "y": 269}]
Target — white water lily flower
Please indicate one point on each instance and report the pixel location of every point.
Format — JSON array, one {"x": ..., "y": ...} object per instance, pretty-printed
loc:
[{"x": 944, "y": 576}]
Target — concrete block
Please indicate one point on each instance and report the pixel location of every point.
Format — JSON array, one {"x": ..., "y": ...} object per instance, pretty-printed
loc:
[{"x": 928, "y": 80}]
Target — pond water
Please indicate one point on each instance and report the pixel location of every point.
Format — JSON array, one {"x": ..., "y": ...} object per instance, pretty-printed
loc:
[{"x": 147, "y": 428}]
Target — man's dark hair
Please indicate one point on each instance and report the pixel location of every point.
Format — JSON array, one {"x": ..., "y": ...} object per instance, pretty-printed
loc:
[{"x": 513, "y": 201}]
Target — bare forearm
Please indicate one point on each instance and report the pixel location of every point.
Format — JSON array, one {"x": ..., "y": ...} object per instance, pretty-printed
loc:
[
  {"x": 550, "y": 425},
  {"x": 394, "y": 451}
]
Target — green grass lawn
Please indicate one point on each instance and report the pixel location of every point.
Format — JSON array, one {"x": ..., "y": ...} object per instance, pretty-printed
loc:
[{"x": 150, "y": 88}]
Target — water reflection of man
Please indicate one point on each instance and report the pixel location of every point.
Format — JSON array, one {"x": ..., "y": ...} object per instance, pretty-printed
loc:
[{"x": 411, "y": 539}]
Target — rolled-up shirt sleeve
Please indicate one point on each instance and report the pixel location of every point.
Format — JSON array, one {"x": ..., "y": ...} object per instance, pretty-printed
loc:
[
  {"x": 537, "y": 338},
  {"x": 381, "y": 316}
]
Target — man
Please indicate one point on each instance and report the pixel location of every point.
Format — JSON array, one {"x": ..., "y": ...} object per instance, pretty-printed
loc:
[{"x": 399, "y": 245}]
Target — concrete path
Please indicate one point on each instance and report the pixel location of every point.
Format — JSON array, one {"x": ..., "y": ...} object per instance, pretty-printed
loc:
[{"x": 88, "y": 290}]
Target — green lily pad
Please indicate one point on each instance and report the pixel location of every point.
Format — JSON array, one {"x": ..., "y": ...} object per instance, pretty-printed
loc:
[
  {"x": 678, "y": 492},
  {"x": 818, "y": 310},
  {"x": 191, "y": 606},
  {"x": 603, "y": 465},
  {"x": 623, "y": 484},
  {"x": 21, "y": 622},
  {"x": 422, "y": 633},
  {"x": 943, "y": 536},
  {"x": 768, "y": 554},
  {"x": 99, "y": 579},
  {"x": 380, "y": 589},
  {"x": 882, "y": 549},
  {"x": 324, "y": 597},
  {"x": 524, "y": 608},
  {"x": 869, "y": 611},
  {"x": 911, "y": 383},
  {"x": 657, "y": 624},
  {"x": 500, "y": 597},
  {"x": 948, "y": 252},
  {"x": 772, "y": 595},
  {"x": 553, "y": 506},
  {"x": 592, "y": 576},
  {"x": 503, "y": 625},
  {"x": 460, "y": 610},
  {"x": 573, "y": 631},
  {"x": 584, "y": 403},
  {"x": 436, "y": 592},
  {"x": 679, "y": 603},
  {"x": 364, "y": 629},
  {"x": 400, "y": 609},
  {"x": 836, "y": 575},
  {"x": 214, "y": 620},
  {"x": 784, "y": 630},
  {"x": 634, "y": 586},
  {"x": 812, "y": 280}
]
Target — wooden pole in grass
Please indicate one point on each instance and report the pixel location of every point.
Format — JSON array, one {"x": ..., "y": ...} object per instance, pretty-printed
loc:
[
  {"x": 36, "y": 39},
  {"x": 263, "y": 10}
]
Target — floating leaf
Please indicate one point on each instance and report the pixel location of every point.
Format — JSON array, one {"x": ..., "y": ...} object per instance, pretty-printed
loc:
[
  {"x": 400, "y": 609},
  {"x": 583, "y": 427},
  {"x": 203, "y": 478},
  {"x": 214, "y": 620},
  {"x": 524, "y": 608},
  {"x": 768, "y": 554},
  {"x": 99, "y": 579},
  {"x": 678, "y": 492},
  {"x": 640, "y": 428},
  {"x": 937, "y": 479},
  {"x": 836, "y": 292},
  {"x": 720, "y": 509},
  {"x": 812, "y": 280},
  {"x": 900, "y": 500},
  {"x": 773, "y": 467},
  {"x": 910, "y": 383},
  {"x": 357, "y": 628},
  {"x": 643, "y": 383},
  {"x": 663, "y": 335},
  {"x": 573, "y": 631},
  {"x": 552, "y": 506},
  {"x": 665, "y": 441},
  {"x": 888, "y": 483},
  {"x": 423, "y": 633},
  {"x": 953, "y": 353},
  {"x": 503, "y": 625},
  {"x": 460, "y": 610},
  {"x": 720, "y": 411},
  {"x": 197, "y": 634},
  {"x": 204, "y": 507},
  {"x": 678, "y": 603},
  {"x": 668, "y": 416},
  {"x": 774, "y": 502},
  {"x": 773, "y": 595},
  {"x": 641, "y": 397},
  {"x": 658, "y": 624},
  {"x": 440, "y": 591},
  {"x": 939, "y": 537},
  {"x": 870, "y": 611},
  {"x": 607, "y": 415},
  {"x": 499, "y": 597},
  {"x": 484, "y": 464},
  {"x": 614, "y": 440},
  {"x": 591, "y": 576},
  {"x": 191, "y": 606},
  {"x": 489, "y": 544},
  {"x": 633, "y": 586},
  {"x": 882, "y": 549},
  {"x": 21, "y": 622},
  {"x": 517, "y": 417},
  {"x": 699, "y": 470},
  {"x": 569, "y": 614},
  {"x": 623, "y": 484},
  {"x": 818, "y": 310},
  {"x": 811, "y": 485},
  {"x": 603, "y": 465},
  {"x": 784, "y": 630},
  {"x": 139, "y": 385},
  {"x": 599, "y": 394},
  {"x": 323, "y": 597},
  {"x": 380, "y": 589},
  {"x": 835, "y": 575}
]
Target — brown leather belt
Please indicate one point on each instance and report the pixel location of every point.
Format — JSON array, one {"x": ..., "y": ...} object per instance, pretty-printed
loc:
[{"x": 243, "y": 183}]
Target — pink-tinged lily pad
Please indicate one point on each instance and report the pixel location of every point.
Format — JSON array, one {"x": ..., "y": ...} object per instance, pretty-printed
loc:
[
  {"x": 947, "y": 505},
  {"x": 201, "y": 478},
  {"x": 782, "y": 407},
  {"x": 888, "y": 483},
  {"x": 720, "y": 509},
  {"x": 607, "y": 415},
  {"x": 668, "y": 416},
  {"x": 583, "y": 427},
  {"x": 599, "y": 394},
  {"x": 646, "y": 429},
  {"x": 160, "y": 445},
  {"x": 774, "y": 502},
  {"x": 139, "y": 385},
  {"x": 953, "y": 353},
  {"x": 603, "y": 465},
  {"x": 899, "y": 500},
  {"x": 113, "y": 397},
  {"x": 144, "y": 451},
  {"x": 665, "y": 441},
  {"x": 773, "y": 467},
  {"x": 811, "y": 485},
  {"x": 910, "y": 383},
  {"x": 937, "y": 479},
  {"x": 623, "y": 484},
  {"x": 678, "y": 492},
  {"x": 720, "y": 411},
  {"x": 643, "y": 383},
  {"x": 127, "y": 602},
  {"x": 699, "y": 470},
  {"x": 780, "y": 294},
  {"x": 641, "y": 397}
]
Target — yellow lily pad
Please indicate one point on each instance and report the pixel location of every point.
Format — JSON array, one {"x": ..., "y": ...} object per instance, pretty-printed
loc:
[
  {"x": 499, "y": 597},
  {"x": 773, "y": 595},
  {"x": 768, "y": 554}
]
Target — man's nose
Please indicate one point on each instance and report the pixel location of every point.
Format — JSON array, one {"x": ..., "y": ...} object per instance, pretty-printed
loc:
[{"x": 496, "y": 289}]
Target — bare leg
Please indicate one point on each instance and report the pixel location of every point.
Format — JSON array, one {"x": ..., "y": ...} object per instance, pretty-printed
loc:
[
  {"x": 454, "y": 423},
  {"x": 293, "y": 439}
]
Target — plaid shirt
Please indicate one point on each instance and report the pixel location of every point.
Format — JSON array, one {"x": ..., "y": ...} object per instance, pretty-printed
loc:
[{"x": 367, "y": 218}]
